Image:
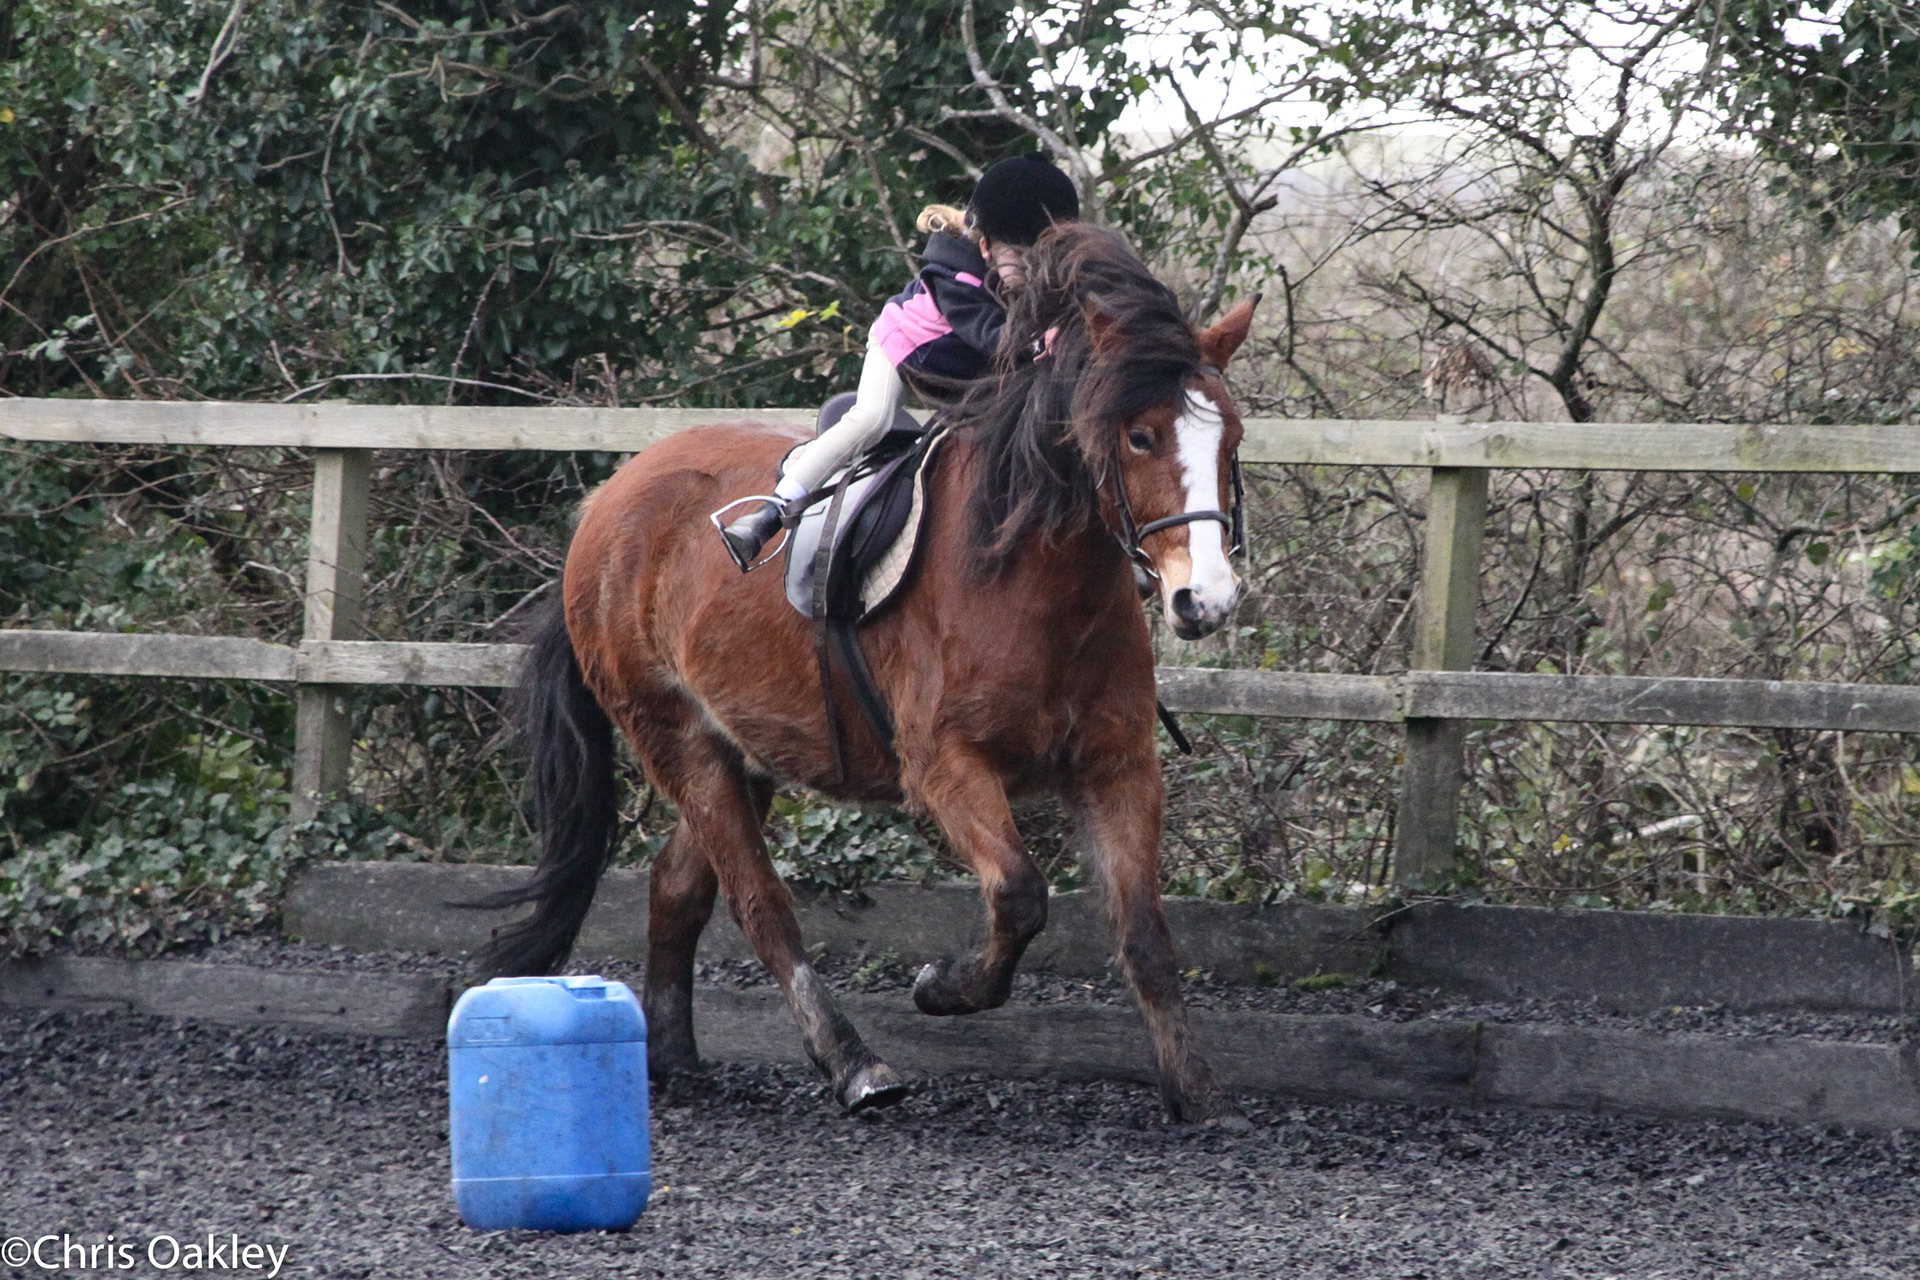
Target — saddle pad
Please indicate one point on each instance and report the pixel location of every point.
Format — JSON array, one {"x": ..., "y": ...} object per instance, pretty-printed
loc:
[{"x": 879, "y": 528}]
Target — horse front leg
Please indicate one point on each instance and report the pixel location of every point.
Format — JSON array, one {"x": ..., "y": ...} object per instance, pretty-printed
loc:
[
  {"x": 1120, "y": 819},
  {"x": 962, "y": 794}
]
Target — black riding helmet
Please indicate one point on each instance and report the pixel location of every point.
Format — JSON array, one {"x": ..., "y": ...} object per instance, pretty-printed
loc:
[{"x": 1019, "y": 197}]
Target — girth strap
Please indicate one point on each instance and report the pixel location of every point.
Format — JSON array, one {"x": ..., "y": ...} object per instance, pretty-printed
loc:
[
  {"x": 866, "y": 690},
  {"x": 822, "y": 628},
  {"x": 830, "y": 632}
]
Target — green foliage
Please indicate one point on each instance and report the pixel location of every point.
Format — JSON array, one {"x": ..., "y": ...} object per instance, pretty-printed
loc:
[
  {"x": 168, "y": 860},
  {"x": 175, "y": 830},
  {"x": 1322, "y": 982},
  {"x": 1842, "y": 109},
  {"x": 378, "y": 190},
  {"x": 843, "y": 848},
  {"x": 165, "y": 863},
  {"x": 369, "y": 197}
]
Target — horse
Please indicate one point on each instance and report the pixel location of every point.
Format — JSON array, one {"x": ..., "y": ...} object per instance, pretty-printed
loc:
[{"x": 1016, "y": 660}]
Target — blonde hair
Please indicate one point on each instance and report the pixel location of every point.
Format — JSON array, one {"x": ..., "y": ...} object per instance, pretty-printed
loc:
[{"x": 942, "y": 217}]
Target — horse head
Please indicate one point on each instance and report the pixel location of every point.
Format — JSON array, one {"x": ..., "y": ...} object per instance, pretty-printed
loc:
[
  {"x": 1109, "y": 407},
  {"x": 1175, "y": 502}
]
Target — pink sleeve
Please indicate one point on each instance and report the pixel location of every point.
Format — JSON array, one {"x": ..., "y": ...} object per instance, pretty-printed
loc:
[{"x": 903, "y": 328}]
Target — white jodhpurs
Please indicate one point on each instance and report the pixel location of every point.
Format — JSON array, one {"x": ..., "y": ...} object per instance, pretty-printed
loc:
[{"x": 874, "y": 407}]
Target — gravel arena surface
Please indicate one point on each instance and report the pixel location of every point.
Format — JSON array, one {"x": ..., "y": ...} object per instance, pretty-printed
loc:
[
  {"x": 1379, "y": 999},
  {"x": 334, "y": 1148}
]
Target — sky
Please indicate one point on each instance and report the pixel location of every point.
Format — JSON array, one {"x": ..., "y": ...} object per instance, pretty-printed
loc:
[{"x": 1215, "y": 87}]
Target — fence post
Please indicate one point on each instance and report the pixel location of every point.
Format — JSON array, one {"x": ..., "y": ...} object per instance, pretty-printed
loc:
[
  {"x": 1433, "y": 774},
  {"x": 336, "y": 565}
]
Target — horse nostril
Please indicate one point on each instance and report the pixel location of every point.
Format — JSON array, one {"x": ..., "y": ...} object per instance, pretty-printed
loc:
[{"x": 1184, "y": 606}]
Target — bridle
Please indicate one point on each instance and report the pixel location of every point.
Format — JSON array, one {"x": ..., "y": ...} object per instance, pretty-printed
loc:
[{"x": 1130, "y": 535}]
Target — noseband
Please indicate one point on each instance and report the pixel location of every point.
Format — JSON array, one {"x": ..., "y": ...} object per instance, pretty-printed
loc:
[{"x": 1131, "y": 535}]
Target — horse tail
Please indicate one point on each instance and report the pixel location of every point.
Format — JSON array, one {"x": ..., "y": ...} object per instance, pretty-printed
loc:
[{"x": 575, "y": 804}]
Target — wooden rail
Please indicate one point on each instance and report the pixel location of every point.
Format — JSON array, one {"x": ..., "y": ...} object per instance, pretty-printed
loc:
[
  {"x": 1597, "y": 446},
  {"x": 1435, "y": 700},
  {"x": 1413, "y": 695}
]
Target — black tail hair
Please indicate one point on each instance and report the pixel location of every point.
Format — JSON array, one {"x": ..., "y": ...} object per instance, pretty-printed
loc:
[{"x": 575, "y": 803}]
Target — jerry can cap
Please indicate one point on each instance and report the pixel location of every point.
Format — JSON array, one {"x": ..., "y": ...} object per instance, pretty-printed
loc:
[{"x": 573, "y": 1009}]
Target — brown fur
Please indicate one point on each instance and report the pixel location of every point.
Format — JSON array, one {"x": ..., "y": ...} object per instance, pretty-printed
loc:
[{"x": 1036, "y": 678}]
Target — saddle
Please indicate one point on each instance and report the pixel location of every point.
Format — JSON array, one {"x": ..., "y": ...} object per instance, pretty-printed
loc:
[
  {"x": 882, "y": 496},
  {"x": 850, "y": 551}
]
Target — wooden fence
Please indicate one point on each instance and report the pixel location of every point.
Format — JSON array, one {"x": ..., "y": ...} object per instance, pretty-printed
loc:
[{"x": 1435, "y": 700}]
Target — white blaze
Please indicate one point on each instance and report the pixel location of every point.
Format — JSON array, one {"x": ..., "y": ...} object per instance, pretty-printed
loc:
[{"x": 1198, "y": 432}]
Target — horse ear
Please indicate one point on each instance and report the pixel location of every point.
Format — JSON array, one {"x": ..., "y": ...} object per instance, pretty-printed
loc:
[
  {"x": 1102, "y": 323},
  {"x": 1218, "y": 343}
]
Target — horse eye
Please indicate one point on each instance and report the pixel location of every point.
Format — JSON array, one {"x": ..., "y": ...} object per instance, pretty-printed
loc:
[{"x": 1142, "y": 441}]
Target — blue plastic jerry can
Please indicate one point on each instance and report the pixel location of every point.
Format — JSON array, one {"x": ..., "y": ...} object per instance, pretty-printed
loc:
[{"x": 547, "y": 1084}]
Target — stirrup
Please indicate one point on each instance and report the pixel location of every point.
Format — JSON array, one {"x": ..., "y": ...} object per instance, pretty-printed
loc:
[{"x": 720, "y": 525}]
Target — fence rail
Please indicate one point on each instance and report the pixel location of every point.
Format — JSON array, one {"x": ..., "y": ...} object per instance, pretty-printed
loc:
[
  {"x": 1435, "y": 700},
  {"x": 1412, "y": 695},
  {"x": 1596, "y": 446},
  {"x": 347, "y": 662}
]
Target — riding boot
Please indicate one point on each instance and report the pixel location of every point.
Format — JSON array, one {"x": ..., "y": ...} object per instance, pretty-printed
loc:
[{"x": 747, "y": 535}]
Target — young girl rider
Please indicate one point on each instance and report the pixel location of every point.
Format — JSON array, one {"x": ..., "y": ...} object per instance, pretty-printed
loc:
[{"x": 940, "y": 331}]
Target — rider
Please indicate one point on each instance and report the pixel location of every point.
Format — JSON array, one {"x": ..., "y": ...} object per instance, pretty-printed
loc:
[{"x": 940, "y": 331}]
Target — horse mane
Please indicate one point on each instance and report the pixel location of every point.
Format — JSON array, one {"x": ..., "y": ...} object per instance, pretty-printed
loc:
[{"x": 1042, "y": 422}]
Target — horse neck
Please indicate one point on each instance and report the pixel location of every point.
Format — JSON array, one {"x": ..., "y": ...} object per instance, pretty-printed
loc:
[{"x": 1082, "y": 571}]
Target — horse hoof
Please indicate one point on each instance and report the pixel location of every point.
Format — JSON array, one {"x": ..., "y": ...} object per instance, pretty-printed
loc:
[
  {"x": 872, "y": 1087},
  {"x": 934, "y": 993}
]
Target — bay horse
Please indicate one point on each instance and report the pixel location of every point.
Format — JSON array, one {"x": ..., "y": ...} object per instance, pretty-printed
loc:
[{"x": 1016, "y": 660}]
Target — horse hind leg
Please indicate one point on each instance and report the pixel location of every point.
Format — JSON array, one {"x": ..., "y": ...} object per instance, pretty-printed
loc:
[
  {"x": 966, "y": 799},
  {"x": 680, "y": 900},
  {"x": 721, "y": 813},
  {"x": 679, "y": 904}
]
